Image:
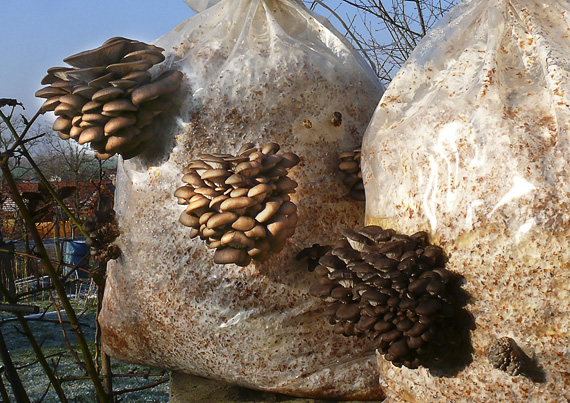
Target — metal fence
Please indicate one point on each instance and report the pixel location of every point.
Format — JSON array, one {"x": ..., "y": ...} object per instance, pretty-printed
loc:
[{"x": 24, "y": 275}]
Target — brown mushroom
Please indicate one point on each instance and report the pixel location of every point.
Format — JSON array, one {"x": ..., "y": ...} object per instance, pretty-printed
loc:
[
  {"x": 241, "y": 211},
  {"x": 387, "y": 275},
  {"x": 164, "y": 84},
  {"x": 99, "y": 86}
]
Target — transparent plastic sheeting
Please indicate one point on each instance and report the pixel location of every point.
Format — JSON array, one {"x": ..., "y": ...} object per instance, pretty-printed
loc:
[
  {"x": 470, "y": 143},
  {"x": 200, "y": 5},
  {"x": 255, "y": 71}
]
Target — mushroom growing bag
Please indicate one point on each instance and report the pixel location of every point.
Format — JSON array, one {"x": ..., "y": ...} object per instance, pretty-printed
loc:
[
  {"x": 260, "y": 71},
  {"x": 470, "y": 143}
]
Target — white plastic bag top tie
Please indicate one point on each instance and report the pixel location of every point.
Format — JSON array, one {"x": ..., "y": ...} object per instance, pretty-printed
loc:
[{"x": 200, "y": 5}]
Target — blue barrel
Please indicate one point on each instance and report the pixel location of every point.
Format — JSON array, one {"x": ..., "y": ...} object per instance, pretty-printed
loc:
[{"x": 73, "y": 253}]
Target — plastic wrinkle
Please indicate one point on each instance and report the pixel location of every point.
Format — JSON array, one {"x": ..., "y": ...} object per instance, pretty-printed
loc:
[{"x": 200, "y": 5}]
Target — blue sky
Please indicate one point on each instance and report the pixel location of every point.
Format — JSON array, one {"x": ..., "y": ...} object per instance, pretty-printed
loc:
[{"x": 38, "y": 34}]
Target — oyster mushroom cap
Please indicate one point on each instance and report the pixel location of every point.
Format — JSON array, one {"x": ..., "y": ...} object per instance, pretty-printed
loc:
[
  {"x": 149, "y": 55},
  {"x": 218, "y": 220},
  {"x": 164, "y": 84},
  {"x": 94, "y": 119},
  {"x": 230, "y": 255},
  {"x": 271, "y": 208},
  {"x": 189, "y": 220},
  {"x": 86, "y": 74},
  {"x": 48, "y": 92},
  {"x": 119, "y": 105},
  {"x": 107, "y": 94},
  {"x": 119, "y": 140},
  {"x": 120, "y": 122},
  {"x": 237, "y": 239},
  {"x": 235, "y": 203},
  {"x": 62, "y": 124},
  {"x": 65, "y": 110},
  {"x": 55, "y": 74},
  {"x": 91, "y": 134},
  {"x": 75, "y": 132},
  {"x": 124, "y": 68},
  {"x": 184, "y": 192},
  {"x": 92, "y": 106},
  {"x": 103, "y": 81},
  {"x": 50, "y": 104},
  {"x": 140, "y": 77},
  {"x": 84, "y": 91},
  {"x": 244, "y": 223},
  {"x": 109, "y": 52}
]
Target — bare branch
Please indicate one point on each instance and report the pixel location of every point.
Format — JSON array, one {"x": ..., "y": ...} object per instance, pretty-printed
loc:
[{"x": 386, "y": 32}]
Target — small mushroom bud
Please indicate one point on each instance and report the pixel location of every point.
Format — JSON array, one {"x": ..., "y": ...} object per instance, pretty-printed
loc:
[{"x": 230, "y": 255}]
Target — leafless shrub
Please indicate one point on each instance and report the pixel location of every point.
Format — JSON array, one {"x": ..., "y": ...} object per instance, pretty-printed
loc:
[{"x": 385, "y": 32}]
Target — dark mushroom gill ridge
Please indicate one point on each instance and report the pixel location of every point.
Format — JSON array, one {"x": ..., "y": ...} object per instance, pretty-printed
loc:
[
  {"x": 349, "y": 166},
  {"x": 394, "y": 289},
  {"x": 108, "y": 98}
]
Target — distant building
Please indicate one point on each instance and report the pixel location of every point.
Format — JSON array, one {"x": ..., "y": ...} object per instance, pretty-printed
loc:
[{"x": 88, "y": 197}]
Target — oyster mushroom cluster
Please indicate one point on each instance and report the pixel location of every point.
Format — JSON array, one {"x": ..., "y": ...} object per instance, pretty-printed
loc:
[
  {"x": 392, "y": 288},
  {"x": 349, "y": 165},
  {"x": 108, "y": 98},
  {"x": 103, "y": 229},
  {"x": 240, "y": 205}
]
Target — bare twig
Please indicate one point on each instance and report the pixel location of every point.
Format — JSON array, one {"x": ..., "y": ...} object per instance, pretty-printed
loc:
[
  {"x": 148, "y": 386},
  {"x": 387, "y": 32},
  {"x": 64, "y": 334},
  {"x": 31, "y": 364},
  {"x": 348, "y": 30}
]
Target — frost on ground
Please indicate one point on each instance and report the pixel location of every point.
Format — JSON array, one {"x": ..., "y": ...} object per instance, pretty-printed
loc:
[{"x": 49, "y": 335}]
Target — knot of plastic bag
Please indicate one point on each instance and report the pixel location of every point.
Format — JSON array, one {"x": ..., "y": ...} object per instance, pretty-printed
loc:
[{"x": 200, "y": 5}]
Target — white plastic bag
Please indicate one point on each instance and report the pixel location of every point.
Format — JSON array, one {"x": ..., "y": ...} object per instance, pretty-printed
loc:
[
  {"x": 200, "y": 5},
  {"x": 255, "y": 71},
  {"x": 470, "y": 143}
]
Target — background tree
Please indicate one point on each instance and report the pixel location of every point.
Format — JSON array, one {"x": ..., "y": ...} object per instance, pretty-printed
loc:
[
  {"x": 385, "y": 32},
  {"x": 72, "y": 164},
  {"x": 21, "y": 168}
]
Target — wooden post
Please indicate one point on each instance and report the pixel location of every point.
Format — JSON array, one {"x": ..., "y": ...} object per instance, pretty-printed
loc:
[
  {"x": 105, "y": 359},
  {"x": 11, "y": 373},
  {"x": 6, "y": 265},
  {"x": 3, "y": 391},
  {"x": 17, "y": 308}
]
